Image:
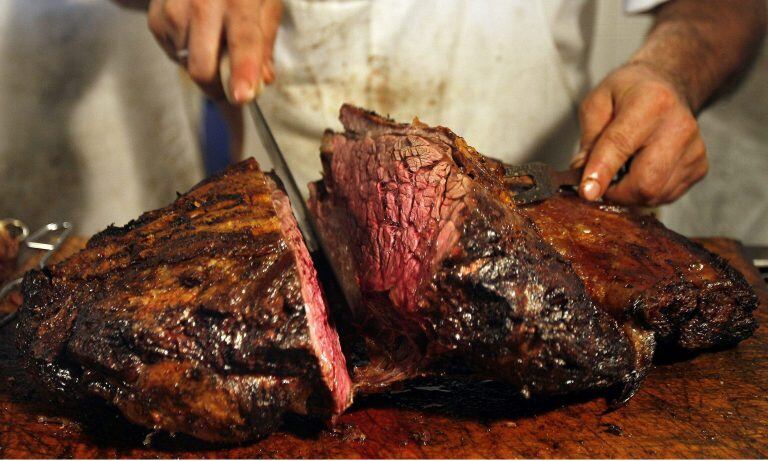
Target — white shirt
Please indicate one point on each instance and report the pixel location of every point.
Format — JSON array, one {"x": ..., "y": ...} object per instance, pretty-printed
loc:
[
  {"x": 507, "y": 75},
  {"x": 96, "y": 127}
]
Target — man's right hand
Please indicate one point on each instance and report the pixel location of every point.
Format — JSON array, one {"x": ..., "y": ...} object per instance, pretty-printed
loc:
[{"x": 193, "y": 32}]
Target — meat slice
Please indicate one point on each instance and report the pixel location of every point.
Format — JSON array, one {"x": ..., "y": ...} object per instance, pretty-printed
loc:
[
  {"x": 636, "y": 268},
  {"x": 443, "y": 272},
  {"x": 204, "y": 317}
]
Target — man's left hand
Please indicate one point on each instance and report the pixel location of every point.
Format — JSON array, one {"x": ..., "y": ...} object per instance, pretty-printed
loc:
[{"x": 639, "y": 112}]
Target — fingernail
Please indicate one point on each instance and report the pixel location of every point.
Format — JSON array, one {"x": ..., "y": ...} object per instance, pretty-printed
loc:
[
  {"x": 590, "y": 188},
  {"x": 243, "y": 92}
]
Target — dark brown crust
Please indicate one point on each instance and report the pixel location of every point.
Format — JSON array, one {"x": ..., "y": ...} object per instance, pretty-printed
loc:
[
  {"x": 661, "y": 287},
  {"x": 502, "y": 303},
  {"x": 189, "y": 318},
  {"x": 639, "y": 270},
  {"x": 505, "y": 302}
]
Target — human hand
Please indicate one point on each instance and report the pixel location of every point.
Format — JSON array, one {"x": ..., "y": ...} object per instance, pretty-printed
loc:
[
  {"x": 637, "y": 111},
  {"x": 192, "y": 33}
]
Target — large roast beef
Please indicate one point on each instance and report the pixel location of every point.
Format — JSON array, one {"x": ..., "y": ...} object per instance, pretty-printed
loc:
[
  {"x": 440, "y": 267},
  {"x": 204, "y": 317}
]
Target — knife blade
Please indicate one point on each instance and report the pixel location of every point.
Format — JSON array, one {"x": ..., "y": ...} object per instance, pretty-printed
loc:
[{"x": 279, "y": 164}]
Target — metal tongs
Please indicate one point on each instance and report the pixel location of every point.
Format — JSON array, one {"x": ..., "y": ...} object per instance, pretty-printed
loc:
[
  {"x": 546, "y": 182},
  {"x": 538, "y": 181},
  {"x": 48, "y": 238}
]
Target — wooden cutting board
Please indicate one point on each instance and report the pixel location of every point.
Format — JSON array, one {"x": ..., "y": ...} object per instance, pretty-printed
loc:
[{"x": 708, "y": 405}]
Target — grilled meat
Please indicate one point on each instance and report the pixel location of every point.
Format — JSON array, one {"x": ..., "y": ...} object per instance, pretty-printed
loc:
[
  {"x": 440, "y": 268},
  {"x": 204, "y": 317},
  {"x": 637, "y": 269}
]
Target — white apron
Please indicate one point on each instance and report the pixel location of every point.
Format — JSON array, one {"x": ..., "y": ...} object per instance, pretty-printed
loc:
[{"x": 489, "y": 70}]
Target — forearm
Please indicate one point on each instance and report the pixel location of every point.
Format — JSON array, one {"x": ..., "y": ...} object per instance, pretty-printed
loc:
[{"x": 700, "y": 44}]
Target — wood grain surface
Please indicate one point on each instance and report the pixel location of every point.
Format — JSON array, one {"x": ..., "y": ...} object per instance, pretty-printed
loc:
[{"x": 708, "y": 405}]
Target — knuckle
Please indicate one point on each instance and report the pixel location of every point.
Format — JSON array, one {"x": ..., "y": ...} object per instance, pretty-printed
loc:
[
  {"x": 620, "y": 141},
  {"x": 168, "y": 8},
  {"x": 647, "y": 190},
  {"x": 155, "y": 24},
  {"x": 199, "y": 9},
  {"x": 689, "y": 126},
  {"x": 173, "y": 13},
  {"x": 664, "y": 95},
  {"x": 587, "y": 106},
  {"x": 703, "y": 169},
  {"x": 201, "y": 74}
]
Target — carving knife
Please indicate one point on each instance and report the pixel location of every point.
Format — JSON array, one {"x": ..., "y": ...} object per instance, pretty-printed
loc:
[{"x": 279, "y": 164}]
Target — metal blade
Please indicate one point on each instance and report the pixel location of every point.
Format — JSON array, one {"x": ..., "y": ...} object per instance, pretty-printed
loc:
[
  {"x": 542, "y": 186},
  {"x": 298, "y": 204}
]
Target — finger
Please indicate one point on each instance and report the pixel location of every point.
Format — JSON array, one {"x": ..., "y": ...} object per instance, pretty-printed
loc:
[
  {"x": 272, "y": 11},
  {"x": 692, "y": 168},
  {"x": 245, "y": 41},
  {"x": 169, "y": 22},
  {"x": 650, "y": 170},
  {"x": 268, "y": 71},
  {"x": 159, "y": 29},
  {"x": 684, "y": 187},
  {"x": 205, "y": 30},
  {"x": 595, "y": 113},
  {"x": 654, "y": 172},
  {"x": 176, "y": 16},
  {"x": 625, "y": 134}
]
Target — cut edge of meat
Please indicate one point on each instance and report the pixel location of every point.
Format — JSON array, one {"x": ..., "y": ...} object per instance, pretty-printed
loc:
[
  {"x": 449, "y": 163},
  {"x": 80, "y": 352},
  {"x": 324, "y": 337}
]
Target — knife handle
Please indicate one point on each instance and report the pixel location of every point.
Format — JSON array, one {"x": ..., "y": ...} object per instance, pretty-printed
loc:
[{"x": 225, "y": 74}]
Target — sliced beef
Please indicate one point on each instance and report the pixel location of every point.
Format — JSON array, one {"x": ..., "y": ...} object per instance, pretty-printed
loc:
[
  {"x": 204, "y": 317},
  {"x": 442, "y": 272},
  {"x": 636, "y": 268}
]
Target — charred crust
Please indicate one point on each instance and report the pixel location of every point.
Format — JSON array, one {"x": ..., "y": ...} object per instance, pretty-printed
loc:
[{"x": 190, "y": 318}]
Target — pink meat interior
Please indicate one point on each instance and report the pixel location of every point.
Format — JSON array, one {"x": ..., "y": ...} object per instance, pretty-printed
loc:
[
  {"x": 324, "y": 338},
  {"x": 402, "y": 194}
]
